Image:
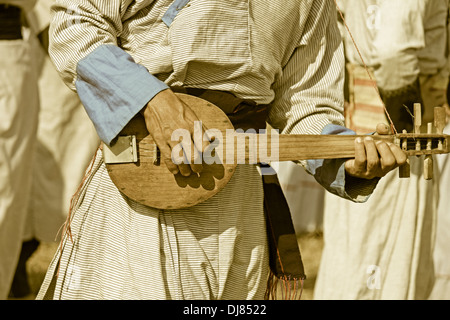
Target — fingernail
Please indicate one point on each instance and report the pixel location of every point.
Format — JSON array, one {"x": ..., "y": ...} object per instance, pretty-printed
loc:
[
  {"x": 359, "y": 140},
  {"x": 368, "y": 138}
]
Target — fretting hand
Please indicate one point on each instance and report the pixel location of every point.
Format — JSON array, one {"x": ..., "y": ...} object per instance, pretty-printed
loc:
[{"x": 374, "y": 158}]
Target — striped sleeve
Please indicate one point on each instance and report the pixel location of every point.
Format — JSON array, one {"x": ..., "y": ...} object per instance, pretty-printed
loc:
[
  {"x": 78, "y": 28},
  {"x": 310, "y": 98},
  {"x": 111, "y": 86},
  {"x": 309, "y": 93}
]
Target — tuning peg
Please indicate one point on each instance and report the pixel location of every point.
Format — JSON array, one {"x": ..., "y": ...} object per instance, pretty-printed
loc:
[
  {"x": 428, "y": 167},
  {"x": 428, "y": 162},
  {"x": 439, "y": 123},
  {"x": 417, "y": 117},
  {"x": 404, "y": 170}
]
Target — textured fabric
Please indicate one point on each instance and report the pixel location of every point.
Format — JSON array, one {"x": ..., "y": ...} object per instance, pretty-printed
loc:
[
  {"x": 441, "y": 288},
  {"x": 365, "y": 108},
  {"x": 217, "y": 249},
  {"x": 400, "y": 105},
  {"x": 113, "y": 89},
  {"x": 382, "y": 249},
  {"x": 124, "y": 250},
  {"x": 18, "y": 124},
  {"x": 298, "y": 55},
  {"x": 66, "y": 144},
  {"x": 307, "y": 70},
  {"x": 173, "y": 10},
  {"x": 397, "y": 57},
  {"x": 304, "y": 196}
]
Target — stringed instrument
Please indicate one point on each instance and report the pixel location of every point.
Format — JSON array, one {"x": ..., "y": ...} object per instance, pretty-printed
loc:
[{"x": 135, "y": 167}]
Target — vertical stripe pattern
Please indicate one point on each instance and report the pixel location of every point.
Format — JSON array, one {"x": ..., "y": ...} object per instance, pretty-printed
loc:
[{"x": 285, "y": 52}]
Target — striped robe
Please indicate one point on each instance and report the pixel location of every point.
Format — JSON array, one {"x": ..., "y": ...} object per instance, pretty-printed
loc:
[{"x": 288, "y": 53}]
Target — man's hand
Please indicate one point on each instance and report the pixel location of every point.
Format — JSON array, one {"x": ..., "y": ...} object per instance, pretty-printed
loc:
[
  {"x": 374, "y": 158},
  {"x": 166, "y": 113}
]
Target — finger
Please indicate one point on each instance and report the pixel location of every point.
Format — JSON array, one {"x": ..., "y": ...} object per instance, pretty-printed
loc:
[
  {"x": 373, "y": 160},
  {"x": 195, "y": 157},
  {"x": 387, "y": 159},
  {"x": 185, "y": 169},
  {"x": 360, "y": 161},
  {"x": 383, "y": 128},
  {"x": 398, "y": 153},
  {"x": 184, "y": 152},
  {"x": 197, "y": 129},
  {"x": 166, "y": 156},
  {"x": 201, "y": 138}
]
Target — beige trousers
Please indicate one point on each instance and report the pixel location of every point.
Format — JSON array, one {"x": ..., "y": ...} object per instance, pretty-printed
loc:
[
  {"x": 18, "y": 124},
  {"x": 66, "y": 143}
]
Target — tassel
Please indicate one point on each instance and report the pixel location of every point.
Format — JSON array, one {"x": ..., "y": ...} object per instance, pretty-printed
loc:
[
  {"x": 283, "y": 288},
  {"x": 286, "y": 265},
  {"x": 66, "y": 230}
]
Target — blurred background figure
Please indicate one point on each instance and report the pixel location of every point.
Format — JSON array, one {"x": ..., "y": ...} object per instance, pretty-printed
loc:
[
  {"x": 383, "y": 249},
  {"x": 19, "y": 107},
  {"x": 64, "y": 144},
  {"x": 441, "y": 289},
  {"x": 305, "y": 197}
]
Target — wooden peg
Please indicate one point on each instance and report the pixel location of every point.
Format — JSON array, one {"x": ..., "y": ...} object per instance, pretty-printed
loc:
[
  {"x": 429, "y": 131},
  {"x": 428, "y": 162},
  {"x": 428, "y": 167},
  {"x": 417, "y": 117},
  {"x": 417, "y": 122},
  {"x": 439, "y": 123},
  {"x": 404, "y": 171}
]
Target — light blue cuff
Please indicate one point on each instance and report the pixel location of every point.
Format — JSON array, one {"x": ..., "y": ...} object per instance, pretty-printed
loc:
[
  {"x": 330, "y": 173},
  {"x": 173, "y": 10},
  {"x": 113, "y": 89}
]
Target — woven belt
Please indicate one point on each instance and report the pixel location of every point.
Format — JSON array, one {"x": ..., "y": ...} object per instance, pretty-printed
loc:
[{"x": 10, "y": 22}]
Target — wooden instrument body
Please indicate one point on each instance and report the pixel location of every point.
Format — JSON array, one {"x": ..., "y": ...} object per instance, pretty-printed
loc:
[{"x": 147, "y": 180}]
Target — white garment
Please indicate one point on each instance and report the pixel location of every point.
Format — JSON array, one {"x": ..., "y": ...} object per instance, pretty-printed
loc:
[
  {"x": 416, "y": 46},
  {"x": 46, "y": 142},
  {"x": 18, "y": 124},
  {"x": 441, "y": 289},
  {"x": 66, "y": 143},
  {"x": 381, "y": 249}
]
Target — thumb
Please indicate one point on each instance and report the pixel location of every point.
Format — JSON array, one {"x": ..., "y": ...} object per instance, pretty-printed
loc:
[{"x": 383, "y": 128}]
